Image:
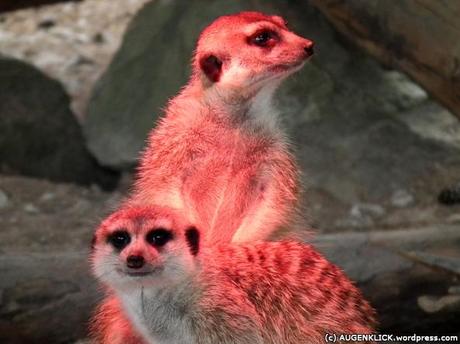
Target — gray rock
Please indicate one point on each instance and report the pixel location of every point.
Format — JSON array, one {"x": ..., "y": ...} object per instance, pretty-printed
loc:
[
  {"x": 431, "y": 121},
  {"x": 408, "y": 93},
  {"x": 454, "y": 218},
  {"x": 4, "y": 201},
  {"x": 401, "y": 199},
  {"x": 362, "y": 210},
  {"x": 31, "y": 208},
  {"x": 362, "y": 215},
  {"x": 455, "y": 289},
  {"x": 451, "y": 264},
  {"x": 400, "y": 288},
  {"x": 47, "y": 196},
  {"x": 434, "y": 304},
  {"x": 39, "y": 136},
  {"x": 47, "y": 297},
  {"x": 403, "y": 34},
  {"x": 47, "y": 293}
]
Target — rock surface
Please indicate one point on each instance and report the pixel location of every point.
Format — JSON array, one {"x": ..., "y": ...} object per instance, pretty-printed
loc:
[
  {"x": 71, "y": 42},
  {"x": 413, "y": 292},
  {"x": 362, "y": 133},
  {"x": 417, "y": 37},
  {"x": 39, "y": 136},
  {"x": 46, "y": 291}
]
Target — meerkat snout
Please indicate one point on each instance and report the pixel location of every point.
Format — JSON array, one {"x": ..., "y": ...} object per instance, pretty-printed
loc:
[
  {"x": 309, "y": 48},
  {"x": 135, "y": 262}
]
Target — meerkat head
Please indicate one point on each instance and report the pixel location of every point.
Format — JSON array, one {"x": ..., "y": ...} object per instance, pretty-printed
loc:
[
  {"x": 144, "y": 246},
  {"x": 247, "y": 51}
]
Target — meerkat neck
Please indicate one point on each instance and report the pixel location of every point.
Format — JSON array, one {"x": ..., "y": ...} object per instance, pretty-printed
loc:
[
  {"x": 162, "y": 313},
  {"x": 261, "y": 109},
  {"x": 247, "y": 108}
]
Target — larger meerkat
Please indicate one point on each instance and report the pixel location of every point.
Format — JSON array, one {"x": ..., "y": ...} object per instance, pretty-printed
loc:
[
  {"x": 220, "y": 154},
  {"x": 166, "y": 288}
]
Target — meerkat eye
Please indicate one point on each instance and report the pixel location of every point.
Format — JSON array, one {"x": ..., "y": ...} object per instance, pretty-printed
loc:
[
  {"x": 119, "y": 239},
  {"x": 158, "y": 237},
  {"x": 264, "y": 38}
]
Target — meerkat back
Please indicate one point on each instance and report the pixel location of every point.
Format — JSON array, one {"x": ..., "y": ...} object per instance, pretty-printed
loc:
[
  {"x": 294, "y": 293},
  {"x": 220, "y": 154}
]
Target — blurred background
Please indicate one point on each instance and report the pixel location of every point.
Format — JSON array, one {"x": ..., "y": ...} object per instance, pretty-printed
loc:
[{"x": 374, "y": 118}]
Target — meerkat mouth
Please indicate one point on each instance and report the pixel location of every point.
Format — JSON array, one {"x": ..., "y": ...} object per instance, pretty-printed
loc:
[
  {"x": 279, "y": 72},
  {"x": 141, "y": 273},
  {"x": 138, "y": 273},
  {"x": 289, "y": 68}
]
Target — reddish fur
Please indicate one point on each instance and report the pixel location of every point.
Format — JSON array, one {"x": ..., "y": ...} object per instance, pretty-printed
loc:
[
  {"x": 224, "y": 37},
  {"x": 285, "y": 289},
  {"x": 295, "y": 294},
  {"x": 217, "y": 156},
  {"x": 225, "y": 172},
  {"x": 137, "y": 214}
]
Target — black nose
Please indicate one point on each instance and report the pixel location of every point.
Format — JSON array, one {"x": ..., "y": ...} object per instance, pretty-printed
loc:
[
  {"x": 135, "y": 262},
  {"x": 309, "y": 48}
]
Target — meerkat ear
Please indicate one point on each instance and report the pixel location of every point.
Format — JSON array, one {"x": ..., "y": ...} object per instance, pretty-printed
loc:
[
  {"x": 279, "y": 20},
  {"x": 193, "y": 240},
  {"x": 211, "y": 66}
]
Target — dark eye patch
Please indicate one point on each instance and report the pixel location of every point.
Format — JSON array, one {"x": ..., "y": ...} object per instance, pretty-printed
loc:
[
  {"x": 158, "y": 237},
  {"x": 264, "y": 38},
  {"x": 119, "y": 239}
]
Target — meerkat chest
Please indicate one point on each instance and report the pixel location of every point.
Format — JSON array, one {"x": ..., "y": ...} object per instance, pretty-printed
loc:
[
  {"x": 223, "y": 164},
  {"x": 157, "y": 317},
  {"x": 227, "y": 167}
]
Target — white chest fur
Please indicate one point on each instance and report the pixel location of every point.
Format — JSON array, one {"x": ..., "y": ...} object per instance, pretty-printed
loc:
[
  {"x": 261, "y": 109},
  {"x": 160, "y": 316}
]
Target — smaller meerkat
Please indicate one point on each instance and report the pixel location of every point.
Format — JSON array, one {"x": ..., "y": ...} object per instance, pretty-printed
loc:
[
  {"x": 165, "y": 287},
  {"x": 220, "y": 154}
]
